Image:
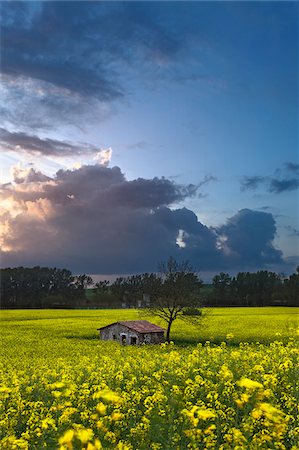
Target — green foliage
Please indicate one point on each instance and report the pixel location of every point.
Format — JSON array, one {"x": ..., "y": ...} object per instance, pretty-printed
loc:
[
  {"x": 262, "y": 288},
  {"x": 131, "y": 289},
  {"x": 23, "y": 287},
  {"x": 291, "y": 289},
  {"x": 192, "y": 311}
]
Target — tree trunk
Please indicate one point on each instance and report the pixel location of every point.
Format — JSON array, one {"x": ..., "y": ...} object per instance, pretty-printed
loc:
[{"x": 168, "y": 330}]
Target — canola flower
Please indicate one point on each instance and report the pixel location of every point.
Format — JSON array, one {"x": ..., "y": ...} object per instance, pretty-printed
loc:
[{"x": 66, "y": 394}]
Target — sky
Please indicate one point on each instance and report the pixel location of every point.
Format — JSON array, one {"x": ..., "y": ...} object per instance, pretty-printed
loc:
[{"x": 135, "y": 131}]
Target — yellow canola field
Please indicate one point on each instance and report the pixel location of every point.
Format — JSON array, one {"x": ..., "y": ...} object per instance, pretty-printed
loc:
[{"x": 59, "y": 392}]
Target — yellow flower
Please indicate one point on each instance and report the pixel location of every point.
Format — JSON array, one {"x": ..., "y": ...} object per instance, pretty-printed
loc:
[
  {"x": 270, "y": 411},
  {"x": 243, "y": 400},
  {"x": 196, "y": 413},
  {"x": 101, "y": 408},
  {"x": 124, "y": 446},
  {"x": 116, "y": 416},
  {"x": 57, "y": 394},
  {"x": 249, "y": 384},
  {"x": 110, "y": 396},
  {"x": 205, "y": 414},
  {"x": 67, "y": 437},
  {"x": 94, "y": 446},
  {"x": 229, "y": 336},
  {"x": 84, "y": 435},
  {"x": 175, "y": 389},
  {"x": 210, "y": 429},
  {"x": 225, "y": 372},
  {"x": 47, "y": 422}
]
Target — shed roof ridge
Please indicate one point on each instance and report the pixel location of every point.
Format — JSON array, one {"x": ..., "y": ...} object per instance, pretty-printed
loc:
[{"x": 142, "y": 326}]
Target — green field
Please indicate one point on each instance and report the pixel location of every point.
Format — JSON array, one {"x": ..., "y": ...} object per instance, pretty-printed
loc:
[{"x": 62, "y": 388}]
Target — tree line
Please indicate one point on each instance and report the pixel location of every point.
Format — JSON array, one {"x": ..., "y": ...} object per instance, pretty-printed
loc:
[
  {"x": 43, "y": 287},
  {"x": 262, "y": 288}
]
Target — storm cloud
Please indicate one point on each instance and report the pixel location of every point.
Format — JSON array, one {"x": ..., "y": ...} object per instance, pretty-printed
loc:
[
  {"x": 248, "y": 238},
  {"x": 94, "y": 220}
]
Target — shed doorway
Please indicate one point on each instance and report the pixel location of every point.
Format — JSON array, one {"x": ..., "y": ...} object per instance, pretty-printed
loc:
[{"x": 133, "y": 340}]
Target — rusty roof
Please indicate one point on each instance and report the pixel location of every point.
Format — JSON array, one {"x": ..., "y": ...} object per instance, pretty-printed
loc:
[{"x": 142, "y": 326}]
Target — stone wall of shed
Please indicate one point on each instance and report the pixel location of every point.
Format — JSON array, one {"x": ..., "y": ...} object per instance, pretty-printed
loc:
[
  {"x": 117, "y": 330},
  {"x": 153, "y": 338}
]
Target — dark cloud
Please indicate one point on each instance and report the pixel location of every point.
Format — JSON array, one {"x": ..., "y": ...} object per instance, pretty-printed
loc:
[
  {"x": 94, "y": 220},
  {"x": 281, "y": 182},
  {"x": 248, "y": 238},
  {"x": 149, "y": 193},
  {"x": 65, "y": 60},
  {"x": 20, "y": 142},
  {"x": 283, "y": 185},
  {"x": 49, "y": 48},
  {"x": 252, "y": 182},
  {"x": 61, "y": 55}
]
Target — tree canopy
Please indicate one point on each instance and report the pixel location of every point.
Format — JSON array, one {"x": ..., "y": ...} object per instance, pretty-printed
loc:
[
  {"x": 177, "y": 289},
  {"x": 23, "y": 287}
]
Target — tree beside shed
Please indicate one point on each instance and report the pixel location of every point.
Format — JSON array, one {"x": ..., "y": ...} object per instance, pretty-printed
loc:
[{"x": 132, "y": 332}]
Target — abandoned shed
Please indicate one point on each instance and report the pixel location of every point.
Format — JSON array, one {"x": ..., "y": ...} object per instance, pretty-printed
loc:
[{"x": 132, "y": 332}]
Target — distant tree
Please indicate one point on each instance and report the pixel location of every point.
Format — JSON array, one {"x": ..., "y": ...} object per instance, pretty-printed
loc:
[
  {"x": 266, "y": 285},
  {"x": 102, "y": 296},
  {"x": 222, "y": 294},
  {"x": 101, "y": 287},
  {"x": 23, "y": 287},
  {"x": 290, "y": 291},
  {"x": 255, "y": 289},
  {"x": 135, "y": 289},
  {"x": 119, "y": 289},
  {"x": 82, "y": 282},
  {"x": 61, "y": 281},
  {"x": 176, "y": 290}
]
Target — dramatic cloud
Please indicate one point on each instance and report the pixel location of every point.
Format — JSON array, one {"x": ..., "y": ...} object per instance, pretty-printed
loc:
[
  {"x": 248, "y": 238},
  {"x": 73, "y": 62},
  {"x": 64, "y": 59},
  {"x": 20, "y": 142},
  {"x": 56, "y": 55},
  {"x": 275, "y": 184},
  {"x": 94, "y": 220}
]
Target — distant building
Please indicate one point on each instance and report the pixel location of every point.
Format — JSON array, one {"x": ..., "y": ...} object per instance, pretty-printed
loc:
[{"x": 132, "y": 332}]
